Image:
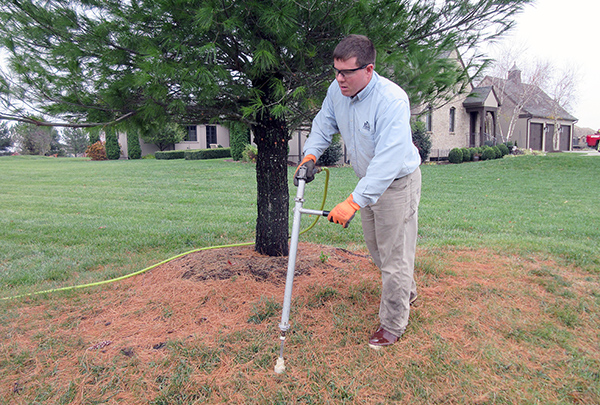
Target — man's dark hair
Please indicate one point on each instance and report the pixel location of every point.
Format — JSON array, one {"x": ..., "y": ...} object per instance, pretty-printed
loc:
[{"x": 357, "y": 46}]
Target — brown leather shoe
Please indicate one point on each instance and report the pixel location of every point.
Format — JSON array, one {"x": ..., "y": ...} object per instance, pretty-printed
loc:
[{"x": 382, "y": 338}]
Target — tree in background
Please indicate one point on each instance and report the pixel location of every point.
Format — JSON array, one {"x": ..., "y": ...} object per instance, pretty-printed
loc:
[
  {"x": 56, "y": 146},
  {"x": 134, "y": 150},
  {"x": 76, "y": 140},
  {"x": 163, "y": 135},
  {"x": 94, "y": 135},
  {"x": 264, "y": 63},
  {"x": 32, "y": 139},
  {"x": 562, "y": 88},
  {"x": 5, "y": 139}
]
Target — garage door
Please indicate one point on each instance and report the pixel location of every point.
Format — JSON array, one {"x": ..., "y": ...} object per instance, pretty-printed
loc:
[
  {"x": 535, "y": 136},
  {"x": 565, "y": 137}
]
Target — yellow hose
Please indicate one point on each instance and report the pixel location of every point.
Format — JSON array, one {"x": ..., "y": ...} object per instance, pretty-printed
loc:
[{"x": 121, "y": 278}]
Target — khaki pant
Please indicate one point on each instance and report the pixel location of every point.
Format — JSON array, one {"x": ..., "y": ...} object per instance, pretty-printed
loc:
[{"x": 390, "y": 229}]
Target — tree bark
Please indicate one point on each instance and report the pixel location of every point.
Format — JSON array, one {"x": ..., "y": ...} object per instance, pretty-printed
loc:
[{"x": 272, "y": 226}]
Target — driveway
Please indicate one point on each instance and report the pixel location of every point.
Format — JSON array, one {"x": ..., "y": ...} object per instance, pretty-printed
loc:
[{"x": 586, "y": 152}]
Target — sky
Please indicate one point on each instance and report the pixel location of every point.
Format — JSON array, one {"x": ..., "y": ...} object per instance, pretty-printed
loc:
[{"x": 566, "y": 34}]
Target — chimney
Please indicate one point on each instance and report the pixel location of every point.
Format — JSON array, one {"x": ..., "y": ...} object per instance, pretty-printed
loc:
[{"x": 514, "y": 74}]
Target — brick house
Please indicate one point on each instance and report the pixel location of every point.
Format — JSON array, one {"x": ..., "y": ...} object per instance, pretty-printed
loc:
[
  {"x": 529, "y": 117},
  {"x": 197, "y": 137}
]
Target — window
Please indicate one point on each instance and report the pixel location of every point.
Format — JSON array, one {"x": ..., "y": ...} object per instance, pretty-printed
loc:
[
  {"x": 429, "y": 120},
  {"x": 452, "y": 118},
  {"x": 211, "y": 134},
  {"x": 192, "y": 135}
]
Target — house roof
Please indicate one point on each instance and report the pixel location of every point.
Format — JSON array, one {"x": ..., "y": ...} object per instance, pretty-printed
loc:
[
  {"x": 478, "y": 96},
  {"x": 536, "y": 103}
]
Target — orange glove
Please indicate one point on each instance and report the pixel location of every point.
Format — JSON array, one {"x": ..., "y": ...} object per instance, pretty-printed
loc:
[
  {"x": 309, "y": 161},
  {"x": 343, "y": 212}
]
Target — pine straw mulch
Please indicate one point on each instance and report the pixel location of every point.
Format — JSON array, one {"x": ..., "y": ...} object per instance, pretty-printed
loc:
[{"x": 116, "y": 344}]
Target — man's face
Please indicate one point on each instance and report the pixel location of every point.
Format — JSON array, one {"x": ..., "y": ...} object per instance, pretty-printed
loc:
[{"x": 352, "y": 82}]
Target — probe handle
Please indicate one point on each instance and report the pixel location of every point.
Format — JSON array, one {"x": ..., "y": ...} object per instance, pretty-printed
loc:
[{"x": 326, "y": 214}]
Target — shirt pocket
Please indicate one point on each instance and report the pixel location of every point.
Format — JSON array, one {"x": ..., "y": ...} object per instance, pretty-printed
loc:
[{"x": 366, "y": 142}]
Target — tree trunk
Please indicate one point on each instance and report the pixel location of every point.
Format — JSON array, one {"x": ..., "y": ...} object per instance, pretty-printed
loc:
[{"x": 272, "y": 226}]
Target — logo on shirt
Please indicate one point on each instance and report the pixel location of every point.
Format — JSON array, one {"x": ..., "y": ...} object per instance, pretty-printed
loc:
[{"x": 366, "y": 126}]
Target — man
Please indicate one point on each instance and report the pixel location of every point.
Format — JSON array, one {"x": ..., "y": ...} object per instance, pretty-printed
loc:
[{"x": 373, "y": 116}]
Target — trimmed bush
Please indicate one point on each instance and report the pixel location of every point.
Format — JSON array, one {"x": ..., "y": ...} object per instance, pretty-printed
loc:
[
  {"x": 170, "y": 154},
  {"x": 239, "y": 137},
  {"x": 96, "y": 151},
  {"x": 466, "y": 154},
  {"x": 455, "y": 156},
  {"x": 497, "y": 151},
  {"x": 200, "y": 154},
  {"x": 474, "y": 152},
  {"x": 113, "y": 149},
  {"x": 503, "y": 149},
  {"x": 488, "y": 153},
  {"x": 134, "y": 150}
]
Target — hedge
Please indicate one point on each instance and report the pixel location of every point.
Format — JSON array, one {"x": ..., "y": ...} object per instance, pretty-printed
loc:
[
  {"x": 170, "y": 154},
  {"x": 200, "y": 154}
]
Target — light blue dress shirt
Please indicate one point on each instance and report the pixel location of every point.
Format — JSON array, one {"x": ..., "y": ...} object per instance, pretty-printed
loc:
[{"x": 375, "y": 127}]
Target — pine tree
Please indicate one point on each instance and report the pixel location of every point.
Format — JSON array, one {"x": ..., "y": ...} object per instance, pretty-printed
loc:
[
  {"x": 5, "y": 139},
  {"x": 266, "y": 63},
  {"x": 76, "y": 140}
]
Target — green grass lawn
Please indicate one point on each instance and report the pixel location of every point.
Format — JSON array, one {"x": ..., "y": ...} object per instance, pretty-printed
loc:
[
  {"x": 508, "y": 274},
  {"x": 72, "y": 221}
]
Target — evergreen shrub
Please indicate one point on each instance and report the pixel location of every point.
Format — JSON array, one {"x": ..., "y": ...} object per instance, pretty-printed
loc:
[
  {"x": 497, "y": 151},
  {"x": 421, "y": 139},
  {"x": 170, "y": 154},
  {"x": 332, "y": 154},
  {"x": 94, "y": 137},
  {"x": 199, "y": 154},
  {"x": 134, "y": 150},
  {"x": 466, "y": 154},
  {"x": 113, "y": 150},
  {"x": 488, "y": 153},
  {"x": 239, "y": 137},
  {"x": 503, "y": 149},
  {"x": 455, "y": 156}
]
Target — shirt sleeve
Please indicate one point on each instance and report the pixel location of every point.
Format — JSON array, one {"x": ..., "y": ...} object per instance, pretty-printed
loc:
[{"x": 324, "y": 126}]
